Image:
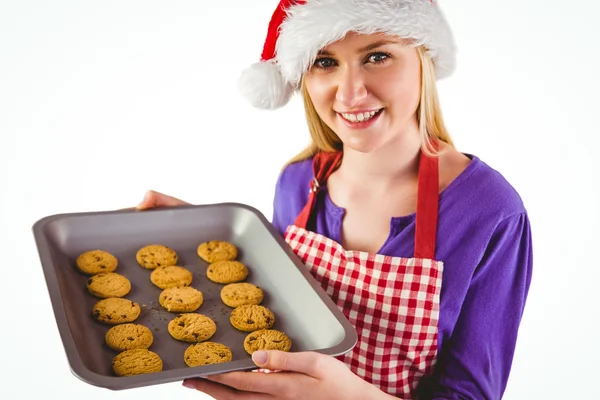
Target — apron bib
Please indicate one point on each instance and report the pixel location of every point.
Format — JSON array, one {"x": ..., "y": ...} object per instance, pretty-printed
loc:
[{"x": 393, "y": 302}]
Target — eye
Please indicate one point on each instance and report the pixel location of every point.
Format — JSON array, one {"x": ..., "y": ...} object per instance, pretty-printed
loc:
[
  {"x": 377, "y": 58},
  {"x": 324, "y": 63}
]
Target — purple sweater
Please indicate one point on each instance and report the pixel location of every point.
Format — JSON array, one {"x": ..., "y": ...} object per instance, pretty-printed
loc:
[{"x": 484, "y": 240}]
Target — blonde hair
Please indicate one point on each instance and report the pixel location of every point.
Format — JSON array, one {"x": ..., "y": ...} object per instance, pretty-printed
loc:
[{"x": 429, "y": 118}]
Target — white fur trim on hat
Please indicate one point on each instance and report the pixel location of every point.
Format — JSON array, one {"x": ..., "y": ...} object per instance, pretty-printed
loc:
[
  {"x": 263, "y": 85},
  {"x": 311, "y": 25}
]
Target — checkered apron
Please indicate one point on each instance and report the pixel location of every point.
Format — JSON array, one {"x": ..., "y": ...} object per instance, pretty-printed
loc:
[{"x": 392, "y": 302}]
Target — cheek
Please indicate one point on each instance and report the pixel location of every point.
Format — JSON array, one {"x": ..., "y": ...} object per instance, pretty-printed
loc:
[
  {"x": 398, "y": 89},
  {"x": 401, "y": 94},
  {"x": 320, "y": 93},
  {"x": 408, "y": 98}
]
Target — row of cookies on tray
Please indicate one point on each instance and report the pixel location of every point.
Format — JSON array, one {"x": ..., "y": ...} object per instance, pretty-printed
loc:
[
  {"x": 132, "y": 341},
  {"x": 248, "y": 315}
]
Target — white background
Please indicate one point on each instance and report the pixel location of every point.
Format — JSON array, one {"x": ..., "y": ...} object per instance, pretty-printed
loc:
[{"x": 100, "y": 101}]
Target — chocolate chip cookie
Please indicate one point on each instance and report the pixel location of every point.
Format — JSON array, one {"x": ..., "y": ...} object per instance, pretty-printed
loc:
[
  {"x": 192, "y": 327},
  {"x": 129, "y": 336},
  {"x": 116, "y": 310},
  {"x": 217, "y": 250},
  {"x": 240, "y": 294},
  {"x": 136, "y": 362},
  {"x": 250, "y": 318},
  {"x": 206, "y": 353},
  {"x": 267, "y": 339},
  {"x": 171, "y": 276},
  {"x": 156, "y": 255},
  {"x": 226, "y": 272},
  {"x": 181, "y": 299},
  {"x": 96, "y": 261},
  {"x": 107, "y": 285}
]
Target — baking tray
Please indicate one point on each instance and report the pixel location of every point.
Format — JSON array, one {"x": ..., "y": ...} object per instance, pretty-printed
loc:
[{"x": 302, "y": 308}]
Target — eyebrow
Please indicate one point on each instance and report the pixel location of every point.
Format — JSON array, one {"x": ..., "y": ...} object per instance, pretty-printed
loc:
[{"x": 363, "y": 49}]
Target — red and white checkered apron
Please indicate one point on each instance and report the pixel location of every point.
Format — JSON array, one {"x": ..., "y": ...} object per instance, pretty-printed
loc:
[{"x": 392, "y": 302}]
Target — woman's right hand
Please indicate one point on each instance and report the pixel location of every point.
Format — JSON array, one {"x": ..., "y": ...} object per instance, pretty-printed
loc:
[{"x": 154, "y": 199}]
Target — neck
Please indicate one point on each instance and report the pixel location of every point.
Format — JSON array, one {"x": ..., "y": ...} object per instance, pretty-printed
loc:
[{"x": 394, "y": 163}]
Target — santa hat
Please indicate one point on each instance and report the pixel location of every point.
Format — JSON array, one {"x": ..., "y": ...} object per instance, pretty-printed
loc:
[{"x": 300, "y": 28}]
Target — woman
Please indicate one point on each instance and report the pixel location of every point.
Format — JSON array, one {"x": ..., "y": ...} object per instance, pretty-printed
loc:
[{"x": 426, "y": 250}]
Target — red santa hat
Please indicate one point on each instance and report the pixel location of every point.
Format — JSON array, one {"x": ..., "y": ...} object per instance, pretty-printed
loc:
[{"x": 300, "y": 28}]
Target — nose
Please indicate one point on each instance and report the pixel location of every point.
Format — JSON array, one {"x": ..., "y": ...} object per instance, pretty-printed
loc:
[{"x": 351, "y": 89}]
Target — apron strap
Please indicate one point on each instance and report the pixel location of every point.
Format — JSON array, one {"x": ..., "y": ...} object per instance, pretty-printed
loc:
[
  {"x": 325, "y": 163},
  {"x": 427, "y": 206}
]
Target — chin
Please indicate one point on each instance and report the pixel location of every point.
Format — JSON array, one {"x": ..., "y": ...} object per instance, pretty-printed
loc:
[
  {"x": 362, "y": 137},
  {"x": 363, "y": 144}
]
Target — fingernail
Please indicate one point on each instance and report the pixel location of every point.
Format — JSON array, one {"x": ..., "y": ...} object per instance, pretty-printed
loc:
[
  {"x": 259, "y": 357},
  {"x": 188, "y": 384}
]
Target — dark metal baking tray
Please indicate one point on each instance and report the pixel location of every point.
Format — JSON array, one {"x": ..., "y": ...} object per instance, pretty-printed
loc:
[{"x": 302, "y": 308}]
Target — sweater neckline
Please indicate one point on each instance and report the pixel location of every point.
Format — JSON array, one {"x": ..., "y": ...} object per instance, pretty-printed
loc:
[{"x": 338, "y": 212}]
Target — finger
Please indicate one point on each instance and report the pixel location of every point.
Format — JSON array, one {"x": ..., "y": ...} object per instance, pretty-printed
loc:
[
  {"x": 220, "y": 392},
  {"x": 307, "y": 363},
  {"x": 255, "y": 382},
  {"x": 154, "y": 199},
  {"x": 148, "y": 201},
  {"x": 162, "y": 200}
]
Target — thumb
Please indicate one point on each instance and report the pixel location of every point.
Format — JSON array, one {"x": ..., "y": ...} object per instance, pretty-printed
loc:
[
  {"x": 149, "y": 200},
  {"x": 154, "y": 199},
  {"x": 304, "y": 362}
]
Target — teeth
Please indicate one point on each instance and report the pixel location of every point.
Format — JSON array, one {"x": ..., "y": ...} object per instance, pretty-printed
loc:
[{"x": 360, "y": 117}]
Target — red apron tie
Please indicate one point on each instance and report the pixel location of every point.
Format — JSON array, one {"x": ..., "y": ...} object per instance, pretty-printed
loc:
[{"x": 323, "y": 166}]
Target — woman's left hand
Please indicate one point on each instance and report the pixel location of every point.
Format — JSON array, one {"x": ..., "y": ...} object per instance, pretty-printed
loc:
[{"x": 304, "y": 375}]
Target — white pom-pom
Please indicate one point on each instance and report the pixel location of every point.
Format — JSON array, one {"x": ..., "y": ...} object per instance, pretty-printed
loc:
[{"x": 263, "y": 85}]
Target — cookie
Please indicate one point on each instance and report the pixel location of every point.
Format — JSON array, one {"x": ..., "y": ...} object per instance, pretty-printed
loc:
[
  {"x": 156, "y": 255},
  {"x": 227, "y": 272},
  {"x": 136, "y": 362},
  {"x": 116, "y": 310},
  {"x": 240, "y": 294},
  {"x": 267, "y": 339},
  {"x": 96, "y": 261},
  {"x": 217, "y": 250},
  {"x": 206, "y": 353},
  {"x": 181, "y": 299},
  {"x": 129, "y": 336},
  {"x": 250, "y": 318},
  {"x": 108, "y": 285},
  {"x": 192, "y": 327},
  {"x": 171, "y": 276}
]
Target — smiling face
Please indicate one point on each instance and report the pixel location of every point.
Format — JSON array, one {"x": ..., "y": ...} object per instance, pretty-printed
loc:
[{"x": 366, "y": 88}]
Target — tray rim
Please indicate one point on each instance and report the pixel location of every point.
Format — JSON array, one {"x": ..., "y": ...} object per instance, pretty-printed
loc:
[{"x": 74, "y": 360}]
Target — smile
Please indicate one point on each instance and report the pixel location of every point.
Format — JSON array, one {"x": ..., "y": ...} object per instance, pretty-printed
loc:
[
  {"x": 360, "y": 120},
  {"x": 361, "y": 116}
]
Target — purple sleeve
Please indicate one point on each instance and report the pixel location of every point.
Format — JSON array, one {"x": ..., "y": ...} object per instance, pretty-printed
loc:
[
  {"x": 478, "y": 357},
  {"x": 291, "y": 194},
  {"x": 280, "y": 217}
]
